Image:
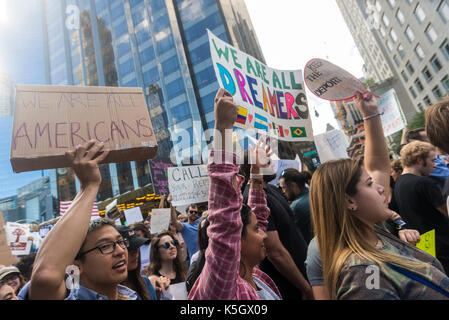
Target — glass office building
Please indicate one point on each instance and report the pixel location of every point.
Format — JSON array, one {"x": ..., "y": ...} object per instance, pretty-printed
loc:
[{"x": 159, "y": 45}]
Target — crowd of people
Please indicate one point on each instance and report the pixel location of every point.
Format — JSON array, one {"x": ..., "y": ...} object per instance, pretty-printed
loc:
[{"x": 314, "y": 236}]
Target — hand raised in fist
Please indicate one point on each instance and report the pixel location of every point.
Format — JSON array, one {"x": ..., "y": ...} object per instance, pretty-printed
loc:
[{"x": 225, "y": 110}]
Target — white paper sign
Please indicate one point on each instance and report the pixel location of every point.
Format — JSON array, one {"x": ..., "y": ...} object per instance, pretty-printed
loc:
[
  {"x": 281, "y": 165},
  {"x": 330, "y": 82},
  {"x": 392, "y": 118},
  {"x": 133, "y": 215},
  {"x": 178, "y": 291},
  {"x": 188, "y": 184},
  {"x": 17, "y": 235},
  {"x": 331, "y": 145},
  {"x": 269, "y": 100},
  {"x": 160, "y": 219}
]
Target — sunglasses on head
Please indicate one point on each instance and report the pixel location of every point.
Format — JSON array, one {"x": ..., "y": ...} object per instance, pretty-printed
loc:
[{"x": 167, "y": 244}]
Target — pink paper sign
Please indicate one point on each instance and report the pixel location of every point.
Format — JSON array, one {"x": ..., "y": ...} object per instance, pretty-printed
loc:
[{"x": 330, "y": 82}]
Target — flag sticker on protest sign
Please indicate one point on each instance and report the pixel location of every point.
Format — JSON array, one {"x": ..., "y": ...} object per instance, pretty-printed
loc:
[
  {"x": 298, "y": 132},
  {"x": 270, "y": 100},
  {"x": 242, "y": 115}
]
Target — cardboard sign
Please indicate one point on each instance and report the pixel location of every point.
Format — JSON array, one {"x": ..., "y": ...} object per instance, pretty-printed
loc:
[
  {"x": 331, "y": 145},
  {"x": 269, "y": 100},
  {"x": 6, "y": 257},
  {"x": 158, "y": 168},
  {"x": 160, "y": 220},
  {"x": 392, "y": 119},
  {"x": 427, "y": 243},
  {"x": 17, "y": 235},
  {"x": 330, "y": 82},
  {"x": 133, "y": 215},
  {"x": 50, "y": 120},
  {"x": 188, "y": 184}
]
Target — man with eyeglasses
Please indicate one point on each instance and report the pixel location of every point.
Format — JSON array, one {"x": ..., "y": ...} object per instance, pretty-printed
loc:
[
  {"x": 189, "y": 229},
  {"x": 94, "y": 252}
]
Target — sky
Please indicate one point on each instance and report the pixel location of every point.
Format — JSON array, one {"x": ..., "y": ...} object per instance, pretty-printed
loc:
[
  {"x": 292, "y": 32},
  {"x": 21, "y": 52}
]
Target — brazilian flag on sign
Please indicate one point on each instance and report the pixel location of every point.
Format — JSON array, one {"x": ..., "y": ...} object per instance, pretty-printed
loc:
[{"x": 298, "y": 132}]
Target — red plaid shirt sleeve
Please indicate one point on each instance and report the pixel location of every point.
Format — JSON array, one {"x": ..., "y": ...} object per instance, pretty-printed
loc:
[{"x": 218, "y": 280}]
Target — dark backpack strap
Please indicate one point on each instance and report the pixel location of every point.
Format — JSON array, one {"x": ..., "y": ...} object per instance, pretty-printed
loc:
[{"x": 419, "y": 279}]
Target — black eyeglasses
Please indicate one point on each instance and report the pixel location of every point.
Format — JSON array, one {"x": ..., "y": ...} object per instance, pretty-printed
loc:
[
  {"x": 167, "y": 244},
  {"x": 193, "y": 211},
  {"x": 107, "y": 248}
]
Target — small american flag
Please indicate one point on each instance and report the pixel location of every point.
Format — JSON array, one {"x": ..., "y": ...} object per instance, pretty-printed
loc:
[{"x": 64, "y": 206}]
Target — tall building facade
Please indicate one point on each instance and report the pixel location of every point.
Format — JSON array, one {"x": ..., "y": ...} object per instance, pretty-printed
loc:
[
  {"x": 159, "y": 45},
  {"x": 413, "y": 38}
]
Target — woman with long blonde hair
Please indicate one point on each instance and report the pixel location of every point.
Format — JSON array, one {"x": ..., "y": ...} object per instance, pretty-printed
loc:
[{"x": 359, "y": 260}]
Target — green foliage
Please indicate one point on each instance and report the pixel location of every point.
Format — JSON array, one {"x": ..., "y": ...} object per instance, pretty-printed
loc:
[{"x": 418, "y": 121}]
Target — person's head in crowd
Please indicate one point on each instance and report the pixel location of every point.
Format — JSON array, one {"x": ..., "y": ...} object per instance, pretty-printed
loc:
[
  {"x": 164, "y": 253},
  {"x": 193, "y": 213},
  {"x": 182, "y": 218},
  {"x": 142, "y": 231},
  {"x": 292, "y": 183},
  {"x": 252, "y": 250},
  {"x": 419, "y": 156},
  {"x": 419, "y": 134},
  {"x": 12, "y": 277},
  {"x": 25, "y": 265},
  {"x": 147, "y": 222},
  {"x": 437, "y": 124},
  {"x": 396, "y": 169},
  {"x": 134, "y": 280},
  {"x": 103, "y": 257},
  {"x": 345, "y": 204},
  {"x": 307, "y": 176},
  {"x": 7, "y": 292}
]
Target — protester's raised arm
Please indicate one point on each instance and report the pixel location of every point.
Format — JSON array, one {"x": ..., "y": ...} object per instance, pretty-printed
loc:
[
  {"x": 173, "y": 217},
  {"x": 64, "y": 241},
  {"x": 377, "y": 155}
]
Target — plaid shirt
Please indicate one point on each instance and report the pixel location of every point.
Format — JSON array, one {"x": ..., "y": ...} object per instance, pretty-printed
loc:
[{"x": 220, "y": 279}]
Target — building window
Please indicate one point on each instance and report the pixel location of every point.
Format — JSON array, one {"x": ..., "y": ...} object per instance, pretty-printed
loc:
[
  {"x": 436, "y": 64},
  {"x": 404, "y": 76},
  {"x": 409, "y": 33},
  {"x": 390, "y": 45},
  {"x": 412, "y": 92},
  {"x": 427, "y": 101},
  {"x": 385, "y": 20},
  {"x": 393, "y": 35},
  {"x": 427, "y": 74},
  {"x": 392, "y": 3},
  {"x": 445, "y": 49},
  {"x": 378, "y": 6},
  {"x": 382, "y": 31},
  {"x": 170, "y": 65},
  {"x": 410, "y": 68},
  {"x": 443, "y": 9},
  {"x": 175, "y": 88},
  {"x": 419, "y": 52},
  {"x": 437, "y": 92},
  {"x": 400, "y": 17},
  {"x": 401, "y": 51},
  {"x": 419, "y": 85},
  {"x": 419, "y": 13},
  {"x": 431, "y": 33},
  {"x": 445, "y": 83},
  {"x": 396, "y": 60}
]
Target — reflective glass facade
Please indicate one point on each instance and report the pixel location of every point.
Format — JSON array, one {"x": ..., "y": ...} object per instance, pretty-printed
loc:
[{"x": 159, "y": 45}]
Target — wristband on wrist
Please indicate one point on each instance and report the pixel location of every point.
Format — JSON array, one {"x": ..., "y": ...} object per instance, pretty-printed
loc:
[
  {"x": 372, "y": 116},
  {"x": 254, "y": 176}
]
